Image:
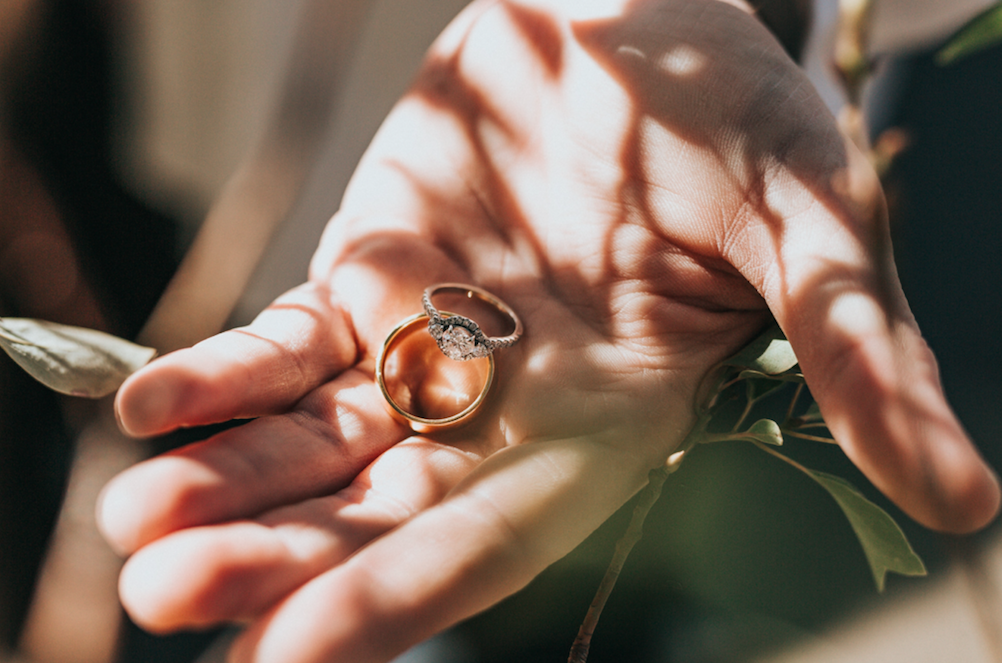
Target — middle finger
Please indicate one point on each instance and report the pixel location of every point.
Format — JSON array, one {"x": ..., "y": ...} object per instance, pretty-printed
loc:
[
  {"x": 236, "y": 571},
  {"x": 316, "y": 449}
]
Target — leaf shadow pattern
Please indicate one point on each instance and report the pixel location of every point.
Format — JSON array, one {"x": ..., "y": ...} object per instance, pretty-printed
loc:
[
  {"x": 769, "y": 146},
  {"x": 698, "y": 251},
  {"x": 704, "y": 252},
  {"x": 633, "y": 233}
]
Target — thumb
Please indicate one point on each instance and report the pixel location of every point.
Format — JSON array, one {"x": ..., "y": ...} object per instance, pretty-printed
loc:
[{"x": 828, "y": 276}]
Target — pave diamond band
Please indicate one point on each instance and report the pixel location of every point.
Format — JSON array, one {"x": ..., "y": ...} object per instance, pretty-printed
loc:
[{"x": 460, "y": 338}]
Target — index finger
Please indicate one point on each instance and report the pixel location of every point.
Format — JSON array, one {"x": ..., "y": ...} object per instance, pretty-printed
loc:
[{"x": 297, "y": 343}]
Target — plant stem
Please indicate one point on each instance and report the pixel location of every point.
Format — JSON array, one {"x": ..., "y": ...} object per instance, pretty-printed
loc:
[
  {"x": 853, "y": 65},
  {"x": 852, "y": 62},
  {"x": 793, "y": 401},
  {"x": 785, "y": 459},
  {"x": 711, "y": 400},
  {"x": 805, "y": 436},
  {"x": 744, "y": 415},
  {"x": 649, "y": 495}
]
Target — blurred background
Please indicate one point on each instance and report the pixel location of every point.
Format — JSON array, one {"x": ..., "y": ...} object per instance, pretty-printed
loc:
[{"x": 126, "y": 127}]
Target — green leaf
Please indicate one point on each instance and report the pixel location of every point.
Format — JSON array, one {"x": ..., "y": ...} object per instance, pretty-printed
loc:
[
  {"x": 884, "y": 543},
  {"x": 770, "y": 354},
  {"x": 981, "y": 32},
  {"x": 71, "y": 360},
  {"x": 766, "y": 431}
]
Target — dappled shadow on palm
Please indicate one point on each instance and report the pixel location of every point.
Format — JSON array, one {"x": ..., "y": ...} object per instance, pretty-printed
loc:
[
  {"x": 672, "y": 82},
  {"x": 675, "y": 66},
  {"x": 579, "y": 375}
]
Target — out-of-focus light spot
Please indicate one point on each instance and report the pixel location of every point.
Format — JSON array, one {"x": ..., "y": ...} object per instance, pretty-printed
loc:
[
  {"x": 631, "y": 51},
  {"x": 683, "y": 60}
]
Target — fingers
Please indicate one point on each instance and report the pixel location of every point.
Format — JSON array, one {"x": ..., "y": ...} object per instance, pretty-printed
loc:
[
  {"x": 297, "y": 343},
  {"x": 828, "y": 275},
  {"x": 235, "y": 571},
  {"x": 315, "y": 450},
  {"x": 521, "y": 510}
]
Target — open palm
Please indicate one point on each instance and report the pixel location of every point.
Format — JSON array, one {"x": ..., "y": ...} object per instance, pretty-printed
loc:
[{"x": 645, "y": 183}]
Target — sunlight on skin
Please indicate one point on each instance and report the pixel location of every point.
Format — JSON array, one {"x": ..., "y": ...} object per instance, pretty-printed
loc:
[
  {"x": 643, "y": 182},
  {"x": 855, "y": 315},
  {"x": 275, "y": 553},
  {"x": 492, "y": 512},
  {"x": 683, "y": 61}
]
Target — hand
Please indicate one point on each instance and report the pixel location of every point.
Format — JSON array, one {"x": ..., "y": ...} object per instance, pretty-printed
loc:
[{"x": 645, "y": 183}]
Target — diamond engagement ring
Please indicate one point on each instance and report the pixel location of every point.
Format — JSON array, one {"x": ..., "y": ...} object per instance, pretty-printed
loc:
[
  {"x": 423, "y": 390},
  {"x": 459, "y": 337}
]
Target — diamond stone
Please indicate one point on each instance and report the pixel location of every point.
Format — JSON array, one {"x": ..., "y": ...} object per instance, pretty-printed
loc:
[{"x": 458, "y": 343}]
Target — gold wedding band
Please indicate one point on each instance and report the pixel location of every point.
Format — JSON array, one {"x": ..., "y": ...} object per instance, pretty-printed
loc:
[{"x": 403, "y": 413}]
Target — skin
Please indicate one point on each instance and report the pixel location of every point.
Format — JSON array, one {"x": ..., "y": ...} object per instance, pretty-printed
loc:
[{"x": 645, "y": 183}]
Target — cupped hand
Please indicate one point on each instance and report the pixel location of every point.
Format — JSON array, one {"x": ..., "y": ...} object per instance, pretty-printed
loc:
[{"x": 645, "y": 183}]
